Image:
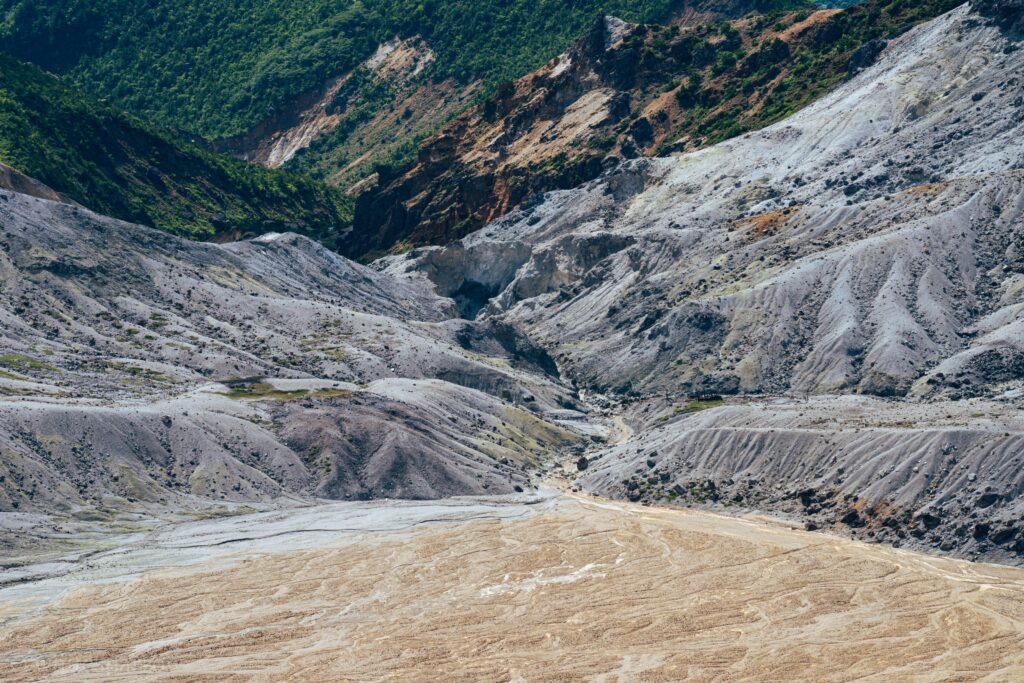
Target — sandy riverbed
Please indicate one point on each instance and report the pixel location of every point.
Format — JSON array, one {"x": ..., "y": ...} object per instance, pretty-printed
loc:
[{"x": 564, "y": 589}]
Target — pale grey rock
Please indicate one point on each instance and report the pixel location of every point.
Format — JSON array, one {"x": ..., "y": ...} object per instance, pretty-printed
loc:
[{"x": 921, "y": 475}]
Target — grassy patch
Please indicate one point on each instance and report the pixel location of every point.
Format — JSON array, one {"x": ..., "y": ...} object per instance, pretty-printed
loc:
[
  {"x": 698, "y": 405},
  {"x": 143, "y": 374},
  {"x": 264, "y": 391},
  {"x": 23, "y": 362}
]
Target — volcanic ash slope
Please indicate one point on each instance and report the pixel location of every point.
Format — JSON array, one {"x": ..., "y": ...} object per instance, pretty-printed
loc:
[
  {"x": 869, "y": 243},
  {"x": 140, "y": 371},
  {"x": 872, "y": 244}
]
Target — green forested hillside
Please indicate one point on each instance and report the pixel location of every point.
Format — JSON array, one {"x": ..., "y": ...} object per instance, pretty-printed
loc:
[
  {"x": 718, "y": 100},
  {"x": 218, "y": 67},
  {"x": 116, "y": 165}
]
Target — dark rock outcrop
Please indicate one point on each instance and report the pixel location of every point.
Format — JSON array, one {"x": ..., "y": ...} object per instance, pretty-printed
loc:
[
  {"x": 866, "y": 55},
  {"x": 1007, "y": 14}
]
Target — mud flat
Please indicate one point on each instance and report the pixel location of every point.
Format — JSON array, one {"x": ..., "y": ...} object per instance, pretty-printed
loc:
[{"x": 555, "y": 588}]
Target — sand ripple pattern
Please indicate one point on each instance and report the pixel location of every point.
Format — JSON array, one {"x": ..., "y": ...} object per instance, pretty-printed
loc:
[{"x": 585, "y": 590}]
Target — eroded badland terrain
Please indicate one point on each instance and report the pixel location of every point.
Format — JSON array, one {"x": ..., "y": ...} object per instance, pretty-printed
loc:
[{"x": 741, "y": 411}]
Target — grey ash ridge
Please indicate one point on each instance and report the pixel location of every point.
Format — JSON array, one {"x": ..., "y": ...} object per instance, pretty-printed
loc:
[{"x": 141, "y": 370}]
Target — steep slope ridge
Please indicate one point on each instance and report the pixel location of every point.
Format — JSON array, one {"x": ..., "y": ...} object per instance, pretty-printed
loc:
[
  {"x": 104, "y": 159},
  {"x": 869, "y": 244},
  {"x": 620, "y": 92},
  {"x": 141, "y": 370}
]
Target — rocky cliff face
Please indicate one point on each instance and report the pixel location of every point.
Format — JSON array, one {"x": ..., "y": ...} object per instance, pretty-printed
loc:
[
  {"x": 493, "y": 157},
  {"x": 358, "y": 119},
  {"x": 621, "y": 92},
  {"x": 281, "y": 137}
]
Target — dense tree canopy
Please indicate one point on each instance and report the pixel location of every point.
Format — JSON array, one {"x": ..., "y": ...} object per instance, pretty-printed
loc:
[
  {"x": 218, "y": 67},
  {"x": 117, "y": 165}
]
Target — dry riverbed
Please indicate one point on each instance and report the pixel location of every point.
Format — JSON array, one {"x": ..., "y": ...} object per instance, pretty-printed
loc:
[{"x": 554, "y": 588}]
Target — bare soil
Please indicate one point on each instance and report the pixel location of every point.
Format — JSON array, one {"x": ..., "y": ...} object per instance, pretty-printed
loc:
[{"x": 584, "y": 590}]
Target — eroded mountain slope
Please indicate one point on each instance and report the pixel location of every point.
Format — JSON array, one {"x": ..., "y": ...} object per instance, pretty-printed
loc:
[
  {"x": 854, "y": 247},
  {"x": 870, "y": 244},
  {"x": 140, "y": 369},
  {"x": 934, "y": 476},
  {"x": 622, "y": 91},
  {"x": 368, "y": 116},
  {"x": 360, "y": 126}
]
